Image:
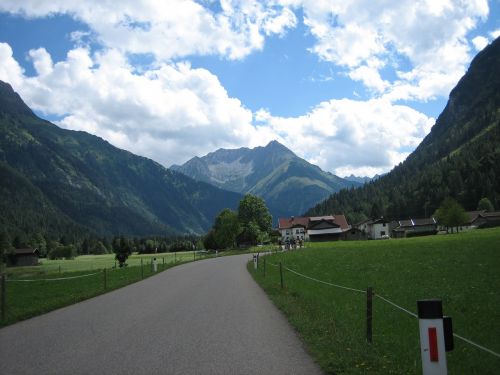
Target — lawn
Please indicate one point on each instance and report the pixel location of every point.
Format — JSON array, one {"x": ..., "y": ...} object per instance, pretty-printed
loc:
[
  {"x": 461, "y": 269},
  {"x": 95, "y": 262}
]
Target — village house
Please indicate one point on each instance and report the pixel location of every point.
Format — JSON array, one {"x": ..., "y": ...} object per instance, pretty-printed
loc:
[
  {"x": 318, "y": 228},
  {"x": 415, "y": 227},
  {"x": 375, "y": 229},
  {"x": 478, "y": 219}
]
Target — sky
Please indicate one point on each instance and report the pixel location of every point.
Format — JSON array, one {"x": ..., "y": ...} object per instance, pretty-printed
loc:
[{"x": 351, "y": 86}]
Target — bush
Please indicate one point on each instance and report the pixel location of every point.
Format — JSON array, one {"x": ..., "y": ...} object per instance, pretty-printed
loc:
[{"x": 66, "y": 252}]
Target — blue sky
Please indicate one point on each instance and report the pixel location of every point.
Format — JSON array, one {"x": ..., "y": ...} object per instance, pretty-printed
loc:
[{"x": 341, "y": 87}]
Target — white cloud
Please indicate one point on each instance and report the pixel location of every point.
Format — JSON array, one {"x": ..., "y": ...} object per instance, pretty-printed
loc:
[
  {"x": 168, "y": 29},
  {"x": 169, "y": 114},
  {"x": 430, "y": 35},
  {"x": 348, "y": 136},
  {"x": 480, "y": 42},
  {"x": 174, "y": 112}
]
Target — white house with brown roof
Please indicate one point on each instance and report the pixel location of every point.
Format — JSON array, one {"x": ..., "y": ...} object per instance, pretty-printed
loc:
[{"x": 316, "y": 228}]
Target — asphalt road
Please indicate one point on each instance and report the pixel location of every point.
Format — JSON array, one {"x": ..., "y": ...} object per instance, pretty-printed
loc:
[{"x": 206, "y": 317}]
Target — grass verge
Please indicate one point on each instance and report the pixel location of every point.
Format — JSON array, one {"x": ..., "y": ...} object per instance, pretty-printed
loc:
[{"x": 462, "y": 269}]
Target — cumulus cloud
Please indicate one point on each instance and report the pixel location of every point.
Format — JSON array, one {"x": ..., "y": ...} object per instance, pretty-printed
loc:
[
  {"x": 349, "y": 136},
  {"x": 168, "y": 29},
  {"x": 169, "y": 114},
  {"x": 480, "y": 42},
  {"x": 430, "y": 35}
]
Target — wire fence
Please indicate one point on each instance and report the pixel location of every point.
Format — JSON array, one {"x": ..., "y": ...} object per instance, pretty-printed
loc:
[{"x": 386, "y": 300}]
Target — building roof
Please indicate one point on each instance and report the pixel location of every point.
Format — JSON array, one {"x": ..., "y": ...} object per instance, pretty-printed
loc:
[
  {"x": 290, "y": 222},
  {"x": 416, "y": 222},
  {"x": 26, "y": 251},
  {"x": 306, "y": 222},
  {"x": 341, "y": 221}
]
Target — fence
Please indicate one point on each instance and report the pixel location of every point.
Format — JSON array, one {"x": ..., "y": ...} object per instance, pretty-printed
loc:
[
  {"x": 84, "y": 285},
  {"x": 369, "y": 292}
]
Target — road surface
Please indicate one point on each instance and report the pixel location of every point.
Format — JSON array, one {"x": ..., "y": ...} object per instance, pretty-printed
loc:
[{"x": 206, "y": 317}]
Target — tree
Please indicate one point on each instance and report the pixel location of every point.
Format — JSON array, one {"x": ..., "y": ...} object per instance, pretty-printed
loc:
[
  {"x": 486, "y": 205},
  {"x": 121, "y": 248},
  {"x": 252, "y": 208},
  {"x": 255, "y": 220},
  {"x": 451, "y": 214},
  {"x": 226, "y": 228}
]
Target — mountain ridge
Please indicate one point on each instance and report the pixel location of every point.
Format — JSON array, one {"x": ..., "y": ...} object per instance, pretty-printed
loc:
[
  {"x": 289, "y": 185},
  {"x": 90, "y": 184}
]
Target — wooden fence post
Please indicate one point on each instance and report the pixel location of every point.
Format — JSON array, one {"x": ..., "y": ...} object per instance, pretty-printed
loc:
[
  {"x": 3, "y": 302},
  {"x": 369, "y": 313},
  {"x": 105, "y": 279},
  {"x": 281, "y": 276}
]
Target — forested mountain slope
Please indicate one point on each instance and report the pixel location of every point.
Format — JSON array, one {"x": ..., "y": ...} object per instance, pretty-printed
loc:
[
  {"x": 58, "y": 181},
  {"x": 460, "y": 157}
]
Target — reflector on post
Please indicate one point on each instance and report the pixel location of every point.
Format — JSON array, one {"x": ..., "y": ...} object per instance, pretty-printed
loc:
[{"x": 432, "y": 346}]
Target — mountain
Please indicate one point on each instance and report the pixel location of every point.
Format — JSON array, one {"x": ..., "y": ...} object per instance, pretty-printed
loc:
[
  {"x": 362, "y": 180},
  {"x": 289, "y": 185},
  {"x": 460, "y": 157},
  {"x": 58, "y": 181}
]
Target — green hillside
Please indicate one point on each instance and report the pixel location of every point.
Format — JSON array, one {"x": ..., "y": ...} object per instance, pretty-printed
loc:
[
  {"x": 459, "y": 158},
  {"x": 60, "y": 181}
]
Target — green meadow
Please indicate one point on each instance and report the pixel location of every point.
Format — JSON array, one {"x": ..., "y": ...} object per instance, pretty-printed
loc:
[
  {"x": 461, "y": 269},
  {"x": 95, "y": 262}
]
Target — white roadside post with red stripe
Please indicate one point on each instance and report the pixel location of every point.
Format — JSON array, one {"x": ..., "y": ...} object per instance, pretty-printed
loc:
[{"x": 436, "y": 337}]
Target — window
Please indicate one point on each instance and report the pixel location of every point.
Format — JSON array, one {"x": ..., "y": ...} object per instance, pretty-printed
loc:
[
  {"x": 383, "y": 224},
  {"x": 382, "y": 233},
  {"x": 296, "y": 231}
]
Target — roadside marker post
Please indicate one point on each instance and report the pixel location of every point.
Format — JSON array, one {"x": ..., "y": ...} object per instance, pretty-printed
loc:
[
  {"x": 155, "y": 265},
  {"x": 436, "y": 336},
  {"x": 255, "y": 265},
  {"x": 369, "y": 314},
  {"x": 142, "y": 270},
  {"x": 281, "y": 276},
  {"x": 105, "y": 279},
  {"x": 4, "y": 299}
]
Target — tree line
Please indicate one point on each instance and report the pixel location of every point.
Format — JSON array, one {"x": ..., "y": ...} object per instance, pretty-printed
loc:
[{"x": 67, "y": 247}]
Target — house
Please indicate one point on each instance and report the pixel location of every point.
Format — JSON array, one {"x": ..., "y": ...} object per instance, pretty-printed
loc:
[
  {"x": 23, "y": 257},
  {"x": 293, "y": 228},
  {"x": 415, "y": 227},
  {"x": 375, "y": 229},
  {"x": 479, "y": 219},
  {"x": 318, "y": 228},
  {"x": 327, "y": 228},
  {"x": 354, "y": 234}
]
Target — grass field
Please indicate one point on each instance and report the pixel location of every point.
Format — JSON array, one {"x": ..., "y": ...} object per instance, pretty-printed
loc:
[
  {"x": 95, "y": 262},
  {"x": 461, "y": 269},
  {"x": 25, "y": 299}
]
